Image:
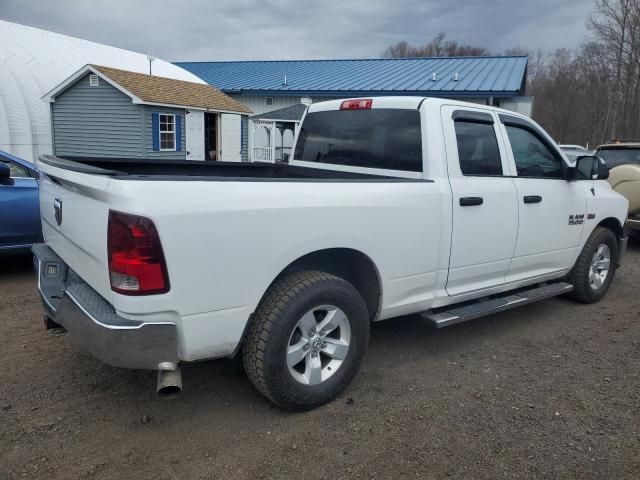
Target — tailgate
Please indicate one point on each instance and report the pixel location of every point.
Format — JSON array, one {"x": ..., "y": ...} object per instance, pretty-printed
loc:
[{"x": 74, "y": 209}]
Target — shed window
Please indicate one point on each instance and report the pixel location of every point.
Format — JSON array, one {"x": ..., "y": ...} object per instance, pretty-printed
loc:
[
  {"x": 167, "y": 132},
  {"x": 93, "y": 80},
  {"x": 269, "y": 101}
]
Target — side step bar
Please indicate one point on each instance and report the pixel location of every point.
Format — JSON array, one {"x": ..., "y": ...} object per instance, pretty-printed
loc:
[{"x": 480, "y": 308}]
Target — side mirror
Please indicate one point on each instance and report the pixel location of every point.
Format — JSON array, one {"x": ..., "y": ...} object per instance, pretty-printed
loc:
[
  {"x": 5, "y": 174},
  {"x": 588, "y": 167}
]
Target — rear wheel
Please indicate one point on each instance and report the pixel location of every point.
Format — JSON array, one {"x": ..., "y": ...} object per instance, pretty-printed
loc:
[
  {"x": 595, "y": 268},
  {"x": 306, "y": 340}
]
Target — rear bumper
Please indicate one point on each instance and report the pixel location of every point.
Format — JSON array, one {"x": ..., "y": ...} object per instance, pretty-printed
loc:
[{"x": 94, "y": 324}]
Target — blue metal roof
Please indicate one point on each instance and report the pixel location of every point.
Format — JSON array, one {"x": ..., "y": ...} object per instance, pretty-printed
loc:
[{"x": 411, "y": 76}]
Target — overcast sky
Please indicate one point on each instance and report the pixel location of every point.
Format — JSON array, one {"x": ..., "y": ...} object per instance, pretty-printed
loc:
[{"x": 298, "y": 29}]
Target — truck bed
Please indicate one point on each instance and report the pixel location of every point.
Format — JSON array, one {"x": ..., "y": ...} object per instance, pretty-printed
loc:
[{"x": 147, "y": 169}]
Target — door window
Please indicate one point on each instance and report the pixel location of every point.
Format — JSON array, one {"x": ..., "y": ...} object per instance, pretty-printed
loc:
[
  {"x": 532, "y": 156},
  {"x": 478, "y": 150}
]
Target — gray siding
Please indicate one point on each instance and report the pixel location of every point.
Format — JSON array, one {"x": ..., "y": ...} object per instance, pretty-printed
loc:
[
  {"x": 148, "y": 134},
  {"x": 96, "y": 121},
  {"x": 244, "y": 140}
]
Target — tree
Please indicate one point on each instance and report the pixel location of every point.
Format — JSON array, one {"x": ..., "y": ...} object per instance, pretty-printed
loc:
[{"x": 436, "y": 47}]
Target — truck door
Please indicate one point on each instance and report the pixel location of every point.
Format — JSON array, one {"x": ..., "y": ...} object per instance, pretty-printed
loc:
[
  {"x": 485, "y": 210},
  {"x": 552, "y": 210}
]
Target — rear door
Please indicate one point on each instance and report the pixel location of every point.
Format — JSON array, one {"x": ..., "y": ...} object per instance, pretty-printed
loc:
[
  {"x": 485, "y": 211},
  {"x": 552, "y": 210}
]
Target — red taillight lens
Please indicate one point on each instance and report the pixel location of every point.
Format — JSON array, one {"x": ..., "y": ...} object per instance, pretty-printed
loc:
[
  {"x": 136, "y": 261},
  {"x": 359, "y": 104}
]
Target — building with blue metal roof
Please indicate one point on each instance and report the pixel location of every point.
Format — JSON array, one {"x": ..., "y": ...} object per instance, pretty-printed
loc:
[
  {"x": 456, "y": 77},
  {"x": 265, "y": 86}
]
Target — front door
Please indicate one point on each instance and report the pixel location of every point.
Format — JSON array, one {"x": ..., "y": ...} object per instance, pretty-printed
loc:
[
  {"x": 485, "y": 211},
  {"x": 551, "y": 209},
  {"x": 194, "y": 132}
]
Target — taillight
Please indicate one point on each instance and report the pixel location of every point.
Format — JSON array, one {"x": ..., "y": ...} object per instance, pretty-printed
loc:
[
  {"x": 136, "y": 261},
  {"x": 362, "y": 103}
]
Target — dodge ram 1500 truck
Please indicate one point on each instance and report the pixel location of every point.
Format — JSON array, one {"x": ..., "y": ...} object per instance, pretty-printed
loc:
[{"x": 389, "y": 206}]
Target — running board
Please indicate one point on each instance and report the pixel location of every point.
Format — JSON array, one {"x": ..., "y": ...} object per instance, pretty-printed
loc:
[{"x": 488, "y": 306}]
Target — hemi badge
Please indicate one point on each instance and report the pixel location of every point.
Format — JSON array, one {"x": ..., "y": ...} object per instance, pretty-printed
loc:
[{"x": 591, "y": 216}]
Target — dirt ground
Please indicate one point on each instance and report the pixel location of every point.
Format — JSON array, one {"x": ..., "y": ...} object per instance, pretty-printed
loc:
[{"x": 551, "y": 390}]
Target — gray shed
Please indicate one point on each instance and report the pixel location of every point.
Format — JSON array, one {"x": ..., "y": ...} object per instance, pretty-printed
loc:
[{"x": 107, "y": 112}]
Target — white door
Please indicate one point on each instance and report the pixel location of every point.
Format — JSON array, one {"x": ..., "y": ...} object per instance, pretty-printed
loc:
[
  {"x": 194, "y": 132},
  {"x": 551, "y": 209},
  {"x": 231, "y": 141},
  {"x": 485, "y": 209}
]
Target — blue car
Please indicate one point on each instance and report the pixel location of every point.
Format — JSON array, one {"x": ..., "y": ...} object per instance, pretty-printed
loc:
[{"x": 20, "y": 225}]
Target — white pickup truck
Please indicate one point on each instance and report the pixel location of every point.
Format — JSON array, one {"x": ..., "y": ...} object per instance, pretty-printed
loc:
[{"x": 390, "y": 206}]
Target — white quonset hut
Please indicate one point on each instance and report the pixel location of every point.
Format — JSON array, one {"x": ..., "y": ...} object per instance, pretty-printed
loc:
[{"x": 33, "y": 62}]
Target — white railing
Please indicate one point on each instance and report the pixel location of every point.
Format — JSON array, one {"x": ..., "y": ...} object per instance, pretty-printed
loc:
[{"x": 262, "y": 154}]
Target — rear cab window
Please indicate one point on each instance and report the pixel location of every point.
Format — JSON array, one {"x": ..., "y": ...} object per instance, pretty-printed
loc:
[{"x": 380, "y": 138}]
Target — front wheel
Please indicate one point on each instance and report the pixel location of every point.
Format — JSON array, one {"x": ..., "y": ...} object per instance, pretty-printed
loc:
[
  {"x": 595, "y": 268},
  {"x": 306, "y": 340}
]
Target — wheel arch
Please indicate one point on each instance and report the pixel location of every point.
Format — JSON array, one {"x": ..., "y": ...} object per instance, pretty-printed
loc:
[
  {"x": 349, "y": 264},
  {"x": 612, "y": 224}
]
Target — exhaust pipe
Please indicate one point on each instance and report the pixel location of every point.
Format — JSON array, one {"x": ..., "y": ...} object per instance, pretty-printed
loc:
[{"x": 169, "y": 380}]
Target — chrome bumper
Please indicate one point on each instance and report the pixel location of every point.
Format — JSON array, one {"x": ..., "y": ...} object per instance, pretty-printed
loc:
[{"x": 94, "y": 324}]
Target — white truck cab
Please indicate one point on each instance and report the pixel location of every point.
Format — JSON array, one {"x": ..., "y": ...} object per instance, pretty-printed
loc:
[{"x": 389, "y": 206}]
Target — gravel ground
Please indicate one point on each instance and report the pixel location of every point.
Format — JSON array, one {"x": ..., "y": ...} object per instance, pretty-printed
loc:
[{"x": 551, "y": 390}]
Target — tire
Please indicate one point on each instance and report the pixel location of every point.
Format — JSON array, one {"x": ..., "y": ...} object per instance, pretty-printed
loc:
[
  {"x": 276, "y": 339},
  {"x": 587, "y": 287}
]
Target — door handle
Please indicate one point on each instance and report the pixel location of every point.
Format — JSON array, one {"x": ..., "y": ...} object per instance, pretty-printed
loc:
[
  {"x": 532, "y": 199},
  {"x": 470, "y": 201}
]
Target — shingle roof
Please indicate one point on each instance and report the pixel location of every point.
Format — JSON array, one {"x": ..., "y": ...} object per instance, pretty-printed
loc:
[
  {"x": 293, "y": 113},
  {"x": 153, "y": 89},
  {"x": 410, "y": 76}
]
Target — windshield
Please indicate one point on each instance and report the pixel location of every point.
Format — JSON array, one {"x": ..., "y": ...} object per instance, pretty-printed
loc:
[
  {"x": 371, "y": 138},
  {"x": 619, "y": 156}
]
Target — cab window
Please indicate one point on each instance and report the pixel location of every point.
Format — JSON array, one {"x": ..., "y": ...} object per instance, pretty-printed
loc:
[{"x": 532, "y": 156}]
